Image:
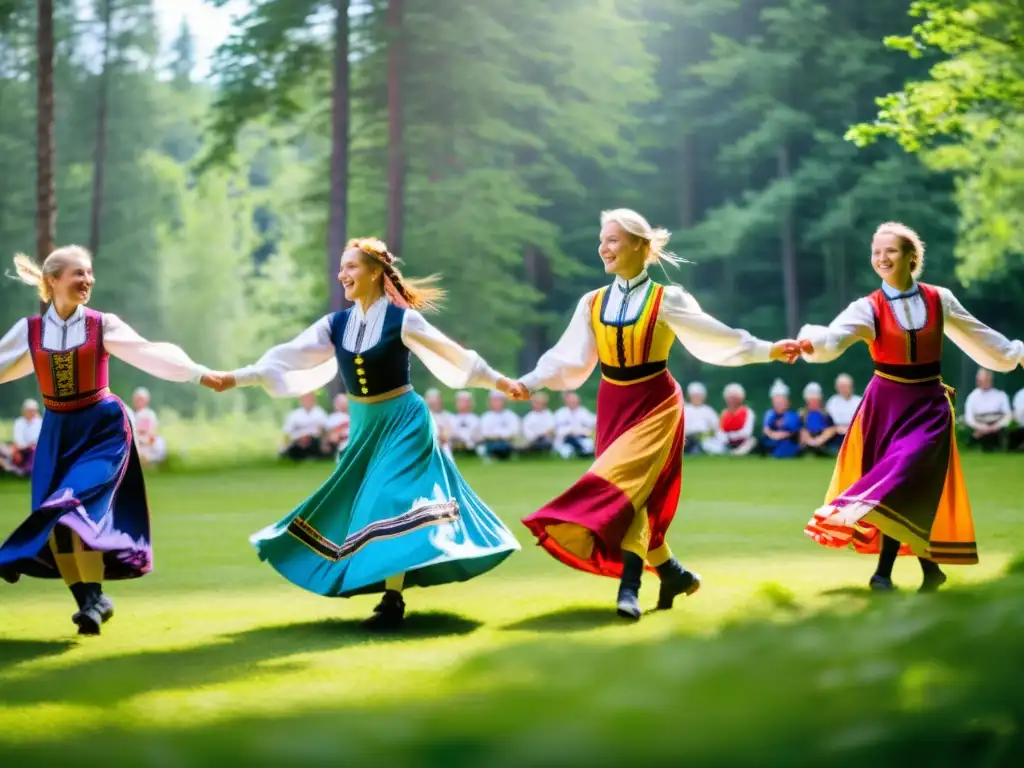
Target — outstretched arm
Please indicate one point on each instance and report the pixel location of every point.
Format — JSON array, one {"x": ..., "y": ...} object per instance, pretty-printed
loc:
[
  {"x": 569, "y": 363},
  {"x": 304, "y": 364},
  {"x": 985, "y": 346},
  {"x": 161, "y": 359},
  {"x": 825, "y": 343},
  {"x": 15, "y": 360},
  {"x": 706, "y": 338},
  {"x": 452, "y": 364}
]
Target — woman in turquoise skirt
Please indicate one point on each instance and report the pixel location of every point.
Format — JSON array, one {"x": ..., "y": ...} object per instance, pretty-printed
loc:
[{"x": 395, "y": 512}]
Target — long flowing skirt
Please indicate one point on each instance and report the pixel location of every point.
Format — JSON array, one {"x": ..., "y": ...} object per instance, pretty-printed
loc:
[
  {"x": 395, "y": 504},
  {"x": 637, "y": 472},
  {"x": 898, "y": 473},
  {"x": 87, "y": 478}
]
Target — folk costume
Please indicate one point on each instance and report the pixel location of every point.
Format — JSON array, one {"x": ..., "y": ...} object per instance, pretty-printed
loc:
[
  {"x": 897, "y": 486},
  {"x": 616, "y": 516},
  {"x": 90, "y": 519},
  {"x": 395, "y": 512}
]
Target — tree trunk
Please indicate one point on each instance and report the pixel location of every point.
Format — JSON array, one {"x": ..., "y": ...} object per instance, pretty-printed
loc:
[
  {"x": 787, "y": 240},
  {"x": 688, "y": 181},
  {"x": 396, "y": 151},
  {"x": 535, "y": 337},
  {"x": 46, "y": 196},
  {"x": 99, "y": 159},
  {"x": 337, "y": 223}
]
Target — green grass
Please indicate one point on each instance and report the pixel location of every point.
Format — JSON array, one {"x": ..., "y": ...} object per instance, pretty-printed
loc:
[{"x": 783, "y": 657}]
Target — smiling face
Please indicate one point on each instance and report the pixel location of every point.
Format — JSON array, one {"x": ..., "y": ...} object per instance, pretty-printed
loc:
[
  {"x": 360, "y": 275},
  {"x": 72, "y": 286},
  {"x": 623, "y": 254},
  {"x": 892, "y": 260}
]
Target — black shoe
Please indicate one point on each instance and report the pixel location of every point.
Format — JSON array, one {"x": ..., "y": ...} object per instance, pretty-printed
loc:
[
  {"x": 389, "y": 613},
  {"x": 9, "y": 575},
  {"x": 932, "y": 582},
  {"x": 628, "y": 602},
  {"x": 881, "y": 584},
  {"x": 675, "y": 581},
  {"x": 99, "y": 609}
]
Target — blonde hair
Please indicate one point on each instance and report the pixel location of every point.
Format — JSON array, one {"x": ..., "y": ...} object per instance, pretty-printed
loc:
[
  {"x": 415, "y": 293},
  {"x": 910, "y": 240},
  {"x": 53, "y": 265},
  {"x": 655, "y": 237}
]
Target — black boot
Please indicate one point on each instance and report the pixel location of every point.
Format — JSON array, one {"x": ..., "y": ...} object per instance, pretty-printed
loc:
[
  {"x": 9, "y": 575},
  {"x": 881, "y": 580},
  {"x": 675, "y": 581},
  {"x": 628, "y": 603},
  {"x": 933, "y": 576},
  {"x": 94, "y": 608},
  {"x": 389, "y": 613}
]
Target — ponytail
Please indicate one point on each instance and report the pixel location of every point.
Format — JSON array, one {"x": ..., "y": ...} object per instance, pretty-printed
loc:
[
  {"x": 420, "y": 293},
  {"x": 31, "y": 273}
]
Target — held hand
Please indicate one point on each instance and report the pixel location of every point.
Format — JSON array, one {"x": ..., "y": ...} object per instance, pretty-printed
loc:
[
  {"x": 786, "y": 351},
  {"x": 218, "y": 382},
  {"x": 514, "y": 389}
]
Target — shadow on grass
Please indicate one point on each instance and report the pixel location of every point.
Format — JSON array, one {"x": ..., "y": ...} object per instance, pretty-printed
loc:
[
  {"x": 108, "y": 680},
  {"x": 574, "y": 619},
  {"x": 16, "y": 651}
]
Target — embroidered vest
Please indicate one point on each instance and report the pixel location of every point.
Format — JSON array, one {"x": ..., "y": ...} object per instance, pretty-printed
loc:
[
  {"x": 902, "y": 354},
  {"x": 635, "y": 348},
  {"x": 75, "y": 378},
  {"x": 381, "y": 368}
]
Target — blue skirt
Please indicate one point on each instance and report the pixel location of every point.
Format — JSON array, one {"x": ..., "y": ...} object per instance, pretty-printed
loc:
[
  {"x": 395, "y": 504},
  {"x": 87, "y": 477}
]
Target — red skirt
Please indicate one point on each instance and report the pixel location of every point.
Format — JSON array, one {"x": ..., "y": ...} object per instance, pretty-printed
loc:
[{"x": 637, "y": 470}]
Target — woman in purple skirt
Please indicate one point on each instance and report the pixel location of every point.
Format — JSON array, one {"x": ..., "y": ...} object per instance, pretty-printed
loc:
[
  {"x": 897, "y": 488},
  {"x": 90, "y": 519}
]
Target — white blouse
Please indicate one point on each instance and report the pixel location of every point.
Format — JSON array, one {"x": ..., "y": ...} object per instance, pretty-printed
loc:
[
  {"x": 570, "y": 362},
  {"x": 307, "y": 362},
  {"x": 987, "y": 347},
  {"x": 159, "y": 359}
]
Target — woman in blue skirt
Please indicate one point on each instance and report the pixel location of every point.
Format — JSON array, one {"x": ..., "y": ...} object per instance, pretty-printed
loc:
[
  {"x": 90, "y": 519},
  {"x": 395, "y": 513}
]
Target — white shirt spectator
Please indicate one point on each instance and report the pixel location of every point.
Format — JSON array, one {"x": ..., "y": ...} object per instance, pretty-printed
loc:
[
  {"x": 146, "y": 423},
  {"x": 339, "y": 420},
  {"x": 841, "y": 409},
  {"x": 26, "y": 432},
  {"x": 537, "y": 424},
  {"x": 574, "y": 422},
  {"x": 1018, "y": 408},
  {"x": 499, "y": 425},
  {"x": 465, "y": 429},
  {"x": 699, "y": 420},
  {"x": 987, "y": 407},
  {"x": 302, "y": 423}
]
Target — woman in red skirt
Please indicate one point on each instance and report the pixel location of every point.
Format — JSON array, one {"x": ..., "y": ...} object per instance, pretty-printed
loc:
[{"x": 614, "y": 519}]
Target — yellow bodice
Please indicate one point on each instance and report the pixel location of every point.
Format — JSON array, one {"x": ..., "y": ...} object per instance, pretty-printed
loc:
[{"x": 634, "y": 342}]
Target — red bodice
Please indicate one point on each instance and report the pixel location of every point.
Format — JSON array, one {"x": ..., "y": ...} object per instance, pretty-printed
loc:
[
  {"x": 898, "y": 351},
  {"x": 76, "y": 376}
]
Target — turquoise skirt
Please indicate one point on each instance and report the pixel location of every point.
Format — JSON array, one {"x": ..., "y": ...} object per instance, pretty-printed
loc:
[{"x": 395, "y": 504}]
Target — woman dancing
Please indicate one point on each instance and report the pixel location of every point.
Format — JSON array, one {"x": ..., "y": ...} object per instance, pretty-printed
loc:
[
  {"x": 90, "y": 518},
  {"x": 897, "y": 488},
  {"x": 395, "y": 513},
  {"x": 616, "y": 516}
]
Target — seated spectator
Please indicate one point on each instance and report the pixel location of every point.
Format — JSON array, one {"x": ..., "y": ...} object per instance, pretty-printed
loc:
[
  {"x": 574, "y": 428},
  {"x": 842, "y": 406},
  {"x": 152, "y": 448},
  {"x": 1016, "y": 441},
  {"x": 539, "y": 425},
  {"x": 700, "y": 422},
  {"x": 735, "y": 434},
  {"x": 304, "y": 429},
  {"x": 817, "y": 433},
  {"x": 499, "y": 428},
  {"x": 17, "y": 458},
  {"x": 780, "y": 437},
  {"x": 442, "y": 420},
  {"x": 987, "y": 412},
  {"x": 336, "y": 428},
  {"x": 464, "y": 425}
]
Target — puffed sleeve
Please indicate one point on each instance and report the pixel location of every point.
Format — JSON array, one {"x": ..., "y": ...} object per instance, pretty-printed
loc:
[
  {"x": 452, "y": 365},
  {"x": 985, "y": 346},
  {"x": 15, "y": 360},
  {"x": 161, "y": 359},
  {"x": 568, "y": 364},
  {"x": 706, "y": 338},
  {"x": 304, "y": 364},
  {"x": 853, "y": 324}
]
